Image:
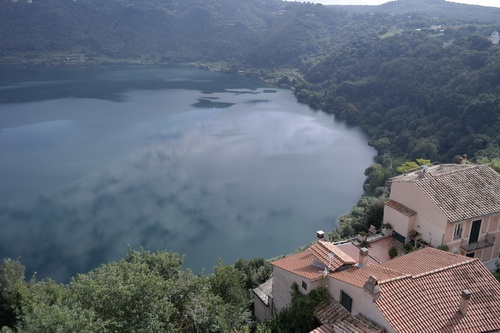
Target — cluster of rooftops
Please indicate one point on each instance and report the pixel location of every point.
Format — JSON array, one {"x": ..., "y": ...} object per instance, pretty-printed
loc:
[
  {"x": 418, "y": 292},
  {"x": 427, "y": 290}
]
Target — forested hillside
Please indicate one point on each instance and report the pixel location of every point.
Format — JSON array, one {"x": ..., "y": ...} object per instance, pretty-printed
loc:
[
  {"x": 434, "y": 8},
  {"x": 264, "y": 33}
]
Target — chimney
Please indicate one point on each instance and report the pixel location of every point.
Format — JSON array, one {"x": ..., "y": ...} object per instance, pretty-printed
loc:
[
  {"x": 363, "y": 257},
  {"x": 320, "y": 234},
  {"x": 464, "y": 302},
  {"x": 371, "y": 286}
]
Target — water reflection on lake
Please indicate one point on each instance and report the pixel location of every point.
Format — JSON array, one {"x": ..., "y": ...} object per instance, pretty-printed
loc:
[{"x": 205, "y": 164}]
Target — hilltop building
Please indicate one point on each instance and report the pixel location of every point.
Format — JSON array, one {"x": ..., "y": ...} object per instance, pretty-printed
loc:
[
  {"x": 453, "y": 205},
  {"x": 427, "y": 290}
]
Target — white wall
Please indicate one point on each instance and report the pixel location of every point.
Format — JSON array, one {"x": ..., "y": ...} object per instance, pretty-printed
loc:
[{"x": 282, "y": 282}]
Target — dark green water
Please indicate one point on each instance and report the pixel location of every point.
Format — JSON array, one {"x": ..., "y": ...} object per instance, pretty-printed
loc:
[{"x": 206, "y": 164}]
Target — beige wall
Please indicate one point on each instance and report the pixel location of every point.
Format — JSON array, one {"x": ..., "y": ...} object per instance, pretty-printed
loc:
[
  {"x": 282, "y": 282},
  {"x": 429, "y": 221},
  {"x": 401, "y": 223},
  {"x": 362, "y": 301}
]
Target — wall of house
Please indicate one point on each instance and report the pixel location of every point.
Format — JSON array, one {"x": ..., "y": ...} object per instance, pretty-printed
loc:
[
  {"x": 429, "y": 221},
  {"x": 401, "y": 223},
  {"x": 489, "y": 225},
  {"x": 261, "y": 310},
  {"x": 362, "y": 301},
  {"x": 282, "y": 282}
]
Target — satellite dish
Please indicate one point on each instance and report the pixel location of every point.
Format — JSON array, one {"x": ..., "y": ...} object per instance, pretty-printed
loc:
[{"x": 325, "y": 272}]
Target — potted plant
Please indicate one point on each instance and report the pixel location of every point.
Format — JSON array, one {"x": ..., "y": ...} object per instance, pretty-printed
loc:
[
  {"x": 362, "y": 236},
  {"x": 386, "y": 229}
]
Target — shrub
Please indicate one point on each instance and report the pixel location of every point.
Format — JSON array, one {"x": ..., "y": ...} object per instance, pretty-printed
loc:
[{"x": 393, "y": 252}]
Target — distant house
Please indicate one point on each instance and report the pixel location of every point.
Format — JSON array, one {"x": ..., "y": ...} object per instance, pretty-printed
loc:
[
  {"x": 457, "y": 205},
  {"x": 495, "y": 37},
  {"x": 427, "y": 290}
]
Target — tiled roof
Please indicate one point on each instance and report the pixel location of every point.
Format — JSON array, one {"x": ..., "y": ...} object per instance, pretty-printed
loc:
[
  {"x": 424, "y": 260},
  {"x": 460, "y": 191},
  {"x": 340, "y": 320},
  {"x": 430, "y": 302},
  {"x": 264, "y": 291},
  {"x": 323, "y": 329},
  {"x": 357, "y": 276},
  {"x": 330, "y": 255},
  {"x": 300, "y": 264},
  {"x": 400, "y": 208},
  {"x": 353, "y": 251}
]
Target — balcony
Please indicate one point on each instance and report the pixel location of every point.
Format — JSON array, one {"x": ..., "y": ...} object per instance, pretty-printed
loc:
[{"x": 488, "y": 240}]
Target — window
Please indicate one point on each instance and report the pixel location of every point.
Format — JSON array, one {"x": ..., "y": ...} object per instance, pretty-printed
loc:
[
  {"x": 345, "y": 301},
  {"x": 457, "y": 233},
  {"x": 304, "y": 285}
]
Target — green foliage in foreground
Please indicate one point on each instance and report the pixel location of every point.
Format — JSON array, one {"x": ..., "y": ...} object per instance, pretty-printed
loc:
[
  {"x": 299, "y": 317},
  {"x": 144, "y": 292}
]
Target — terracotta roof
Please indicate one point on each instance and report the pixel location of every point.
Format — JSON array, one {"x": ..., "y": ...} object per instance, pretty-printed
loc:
[
  {"x": 353, "y": 251},
  {"x": 424, "y": 260},
  {"x": 323, "y": 329},
  {"x": 357, "y": 276},
  {"x": 300, "y": 264},
  {"x": 430, "y": 302},
  {"x": 460, "y": 191},
  {"x": 330, "y": 255},
  {"x": 340, "y": 320},
  {"x": 400, "y": 208}
]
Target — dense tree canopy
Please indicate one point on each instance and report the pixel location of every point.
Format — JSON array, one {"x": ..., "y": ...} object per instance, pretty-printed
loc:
[{"x": 144, "y": 292}]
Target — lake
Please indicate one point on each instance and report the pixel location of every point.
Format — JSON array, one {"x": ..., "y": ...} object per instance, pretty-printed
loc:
[{"x": 209, "y": 165}]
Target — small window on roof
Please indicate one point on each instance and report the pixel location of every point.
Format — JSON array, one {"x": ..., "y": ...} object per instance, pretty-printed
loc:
[{"x": 304, "y": 285}]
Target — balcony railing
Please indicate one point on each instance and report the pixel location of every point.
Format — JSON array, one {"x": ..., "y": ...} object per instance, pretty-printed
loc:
[{"x": 488, "y": 240}]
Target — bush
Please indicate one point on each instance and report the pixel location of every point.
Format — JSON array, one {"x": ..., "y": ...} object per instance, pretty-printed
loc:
[
  {"x": 393, "y": 252},
  {"x": 443, "y": 247},
  {"x": 408, "y": 247}
]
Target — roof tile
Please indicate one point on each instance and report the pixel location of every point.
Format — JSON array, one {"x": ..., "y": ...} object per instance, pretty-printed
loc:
[
  {"x": 460, "y": 191},
  {"x": 400, "y": 208}
]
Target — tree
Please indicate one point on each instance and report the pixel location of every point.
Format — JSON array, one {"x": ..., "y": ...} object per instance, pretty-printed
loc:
[
  {"x": 300, "y": 316},
  {"x": 11, "y": 285},
  {"x": 413, "y": 166},
  {"x": 229, "y": 284}
]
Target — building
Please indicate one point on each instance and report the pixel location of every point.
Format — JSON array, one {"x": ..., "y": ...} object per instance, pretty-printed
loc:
[
  {"x": 263, "y": 300},
  {"x": 495, "y": 37},
  {"x": 457, "y": 205},
  {"x": 427, "y": 290},
  {"x": 307, "y": 269}
]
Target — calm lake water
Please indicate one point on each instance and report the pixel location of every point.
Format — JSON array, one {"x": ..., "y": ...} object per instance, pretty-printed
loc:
[{"x": 205, "y": 164}]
